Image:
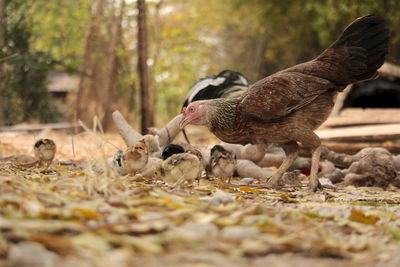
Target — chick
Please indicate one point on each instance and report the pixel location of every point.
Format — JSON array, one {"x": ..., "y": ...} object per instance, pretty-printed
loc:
[
  {"x": 217, "y": 148},
  {"x": 194, "y": 151},
  {"x": 135, "y": 158},
  {"x": 152, "y": 144},
  {"x": 45, "y": 150},
  {"x": 116, "y": 162},
  {"x": 222, "y": 163},
  {"x": 178, "y": 168},
  {"x": 171, "y": 149}
]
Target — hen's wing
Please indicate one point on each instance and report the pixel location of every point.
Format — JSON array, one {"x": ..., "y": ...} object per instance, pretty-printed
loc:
[{"x": 355, "y": 56}]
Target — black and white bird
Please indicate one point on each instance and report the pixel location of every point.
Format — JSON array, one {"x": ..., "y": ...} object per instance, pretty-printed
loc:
[{"x": 226, "y": 84}]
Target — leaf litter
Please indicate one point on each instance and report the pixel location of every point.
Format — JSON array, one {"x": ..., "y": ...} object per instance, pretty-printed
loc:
[{"x": 84, "y": 214}]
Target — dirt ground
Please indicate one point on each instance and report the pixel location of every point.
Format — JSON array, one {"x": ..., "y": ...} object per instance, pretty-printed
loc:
[{"x": 87, "y": 215}]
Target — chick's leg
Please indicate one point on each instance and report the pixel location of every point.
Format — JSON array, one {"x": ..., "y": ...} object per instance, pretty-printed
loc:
[
  {"x": 179, "y": 181},
  {"x": 291, "y": 150},
  {"x": 48, "y": 163}
]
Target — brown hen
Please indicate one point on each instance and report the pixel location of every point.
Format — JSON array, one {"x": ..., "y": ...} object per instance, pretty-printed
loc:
[{"x": 286, "y": 107}]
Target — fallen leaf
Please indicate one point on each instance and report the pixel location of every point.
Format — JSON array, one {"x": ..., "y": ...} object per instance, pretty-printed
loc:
[
  {"x": 249, "y": 189},
  {"x": 254, "y": 248},
  {"x": 140, "y": 227},
  {"x": 287, "y": 199},
  {"x": 59, "y": 244},
  {"x": 393, "y": 231},
  {"x": 239, "y": 232},
  {"x": 31, "y": 254},
  {"x": 359, "y": 216},
  {"x": 87, "y": 213},
  {"x": 91, "y": 241},
  {"x": 222, "y": 186}
]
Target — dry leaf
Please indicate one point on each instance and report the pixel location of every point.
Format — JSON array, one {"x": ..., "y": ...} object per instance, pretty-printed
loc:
[
  {"x": 249, "y": 189},
  {"x": 87, "y": 213},
  {"x": 359, "y": 216}
]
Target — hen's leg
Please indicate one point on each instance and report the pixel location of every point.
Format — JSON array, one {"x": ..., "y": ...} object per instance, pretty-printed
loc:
[
  {"x": 314, "y": 169},
  {"x": 312, "y": 142},
  {"x": 291, "y": 150}
]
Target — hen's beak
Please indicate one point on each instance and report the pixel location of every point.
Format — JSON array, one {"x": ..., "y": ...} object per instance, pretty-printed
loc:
[{"x": 184, "y": 122}]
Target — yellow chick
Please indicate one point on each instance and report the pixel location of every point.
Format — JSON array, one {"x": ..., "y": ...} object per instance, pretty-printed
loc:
[
  {"x": 45, "y": 150},
  {"x": 194, "y": 151},
  {"x": 178, "y": 168},
  {"x": 152, "y": 144},
  {"x": 222, "y": 164},
  {"x": 135, "y": 158}
]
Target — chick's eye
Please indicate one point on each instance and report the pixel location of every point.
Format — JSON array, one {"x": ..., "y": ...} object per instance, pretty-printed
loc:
[{"x": 191, "y": 109}]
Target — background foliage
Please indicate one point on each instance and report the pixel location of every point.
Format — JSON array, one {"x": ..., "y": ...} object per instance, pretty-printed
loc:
[
  {"x": 23, "y": 75},
  {"x": 187, "y": 40}
]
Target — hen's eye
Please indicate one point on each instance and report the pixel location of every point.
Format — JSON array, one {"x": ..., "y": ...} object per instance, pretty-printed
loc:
[{"x": 191, "y": 109}]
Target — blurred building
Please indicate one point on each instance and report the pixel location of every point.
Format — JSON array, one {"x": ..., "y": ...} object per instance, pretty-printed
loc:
[{"x": 61, "y": 84}]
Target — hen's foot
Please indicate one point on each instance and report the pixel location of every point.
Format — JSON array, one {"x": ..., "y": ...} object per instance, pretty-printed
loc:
[{"x": 273, "y": 181}]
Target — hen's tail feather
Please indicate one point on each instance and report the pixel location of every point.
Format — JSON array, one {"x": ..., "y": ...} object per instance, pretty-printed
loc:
[{"x": 366, "y": 41}]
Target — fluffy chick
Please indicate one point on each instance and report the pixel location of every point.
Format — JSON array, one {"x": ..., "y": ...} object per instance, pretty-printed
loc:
[
  {"x": 222, "y": 163},
  {"x": 152, "y": 144},
  {"x": 217, "y": 148},
  {"x": 45, "y": 150},
  {"x": 178, "y": 168},
  {"x": 171, "y": 149},
  {"x": 116, "y": 162},
  {"x": 194, "y": 151},
  {"x": 135, "y": 158}
]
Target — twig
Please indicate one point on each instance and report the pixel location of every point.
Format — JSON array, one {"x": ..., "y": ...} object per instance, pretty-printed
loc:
[{"x": 8, "y": 57}]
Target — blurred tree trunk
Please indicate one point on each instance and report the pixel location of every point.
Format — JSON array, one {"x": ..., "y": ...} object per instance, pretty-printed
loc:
[
  {"x": 147, "y": 119},
  {"x": 112, "y": 67},
  {"x": 2, "y": 20},
  {"x": 2, "y": 26},
  {"x": 87, "y": 72},
  {"x": 156, "y": 54}
]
